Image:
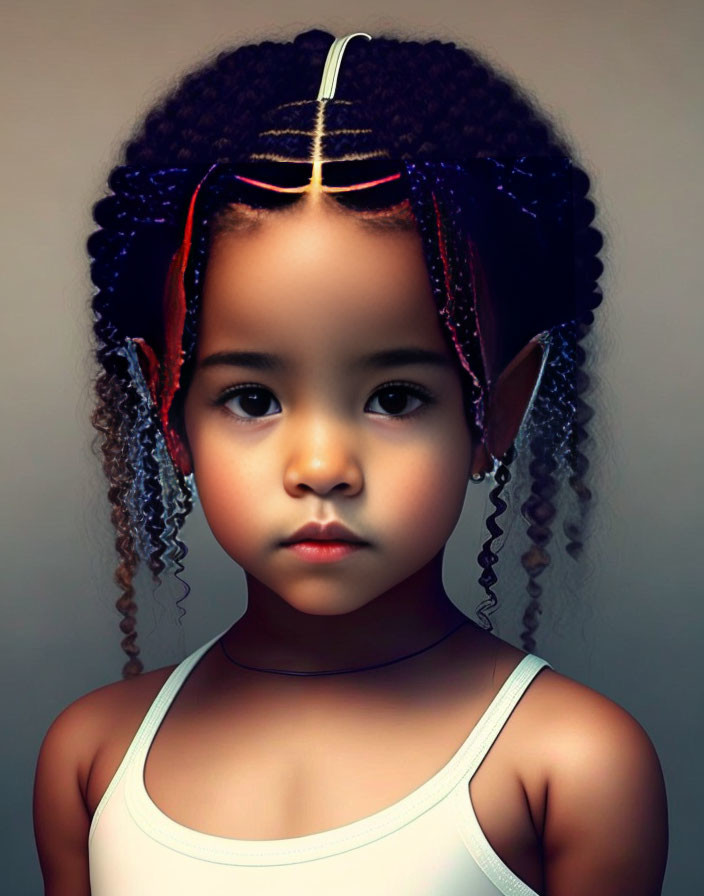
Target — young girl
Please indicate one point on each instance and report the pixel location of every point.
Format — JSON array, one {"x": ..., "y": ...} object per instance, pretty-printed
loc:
[{"x": 330, "y": 314}]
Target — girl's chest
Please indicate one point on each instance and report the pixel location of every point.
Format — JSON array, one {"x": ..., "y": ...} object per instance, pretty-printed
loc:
[{"x": 281, "y": 774}]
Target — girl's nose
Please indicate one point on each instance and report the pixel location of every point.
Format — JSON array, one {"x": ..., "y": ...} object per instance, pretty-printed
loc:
[{"x": 324, "y": 459}]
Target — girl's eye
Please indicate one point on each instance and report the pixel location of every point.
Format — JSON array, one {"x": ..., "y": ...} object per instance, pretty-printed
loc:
[
  {"x": 394, "y": 397},
  {"x": 249, "y": 402}
]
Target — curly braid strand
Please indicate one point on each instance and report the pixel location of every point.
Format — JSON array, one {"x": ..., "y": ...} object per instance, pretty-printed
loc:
[{"x": 487, "y": 558}]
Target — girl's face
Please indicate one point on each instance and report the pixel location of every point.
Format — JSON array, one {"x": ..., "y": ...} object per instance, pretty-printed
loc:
[{"x": 324, "y": 391}]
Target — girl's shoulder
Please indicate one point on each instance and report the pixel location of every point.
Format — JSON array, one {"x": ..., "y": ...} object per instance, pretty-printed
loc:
[
  {"x": 595, "y": 788},
  {"x": 563, "y": 729},
  {"x": 95, "y": 728},
  {"x": 571, "y": 719},
  {"x": 68, "y": 760},
  {"x": 558, "y": 705},
  {"x": 117, "y": 700}
]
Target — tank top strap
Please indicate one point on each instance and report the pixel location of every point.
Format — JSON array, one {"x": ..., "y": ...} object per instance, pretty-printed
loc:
[
  {"x": 165, "y": 697},
  {"x": 496, "y": 715},
  {"x": 139, "y": 747}
]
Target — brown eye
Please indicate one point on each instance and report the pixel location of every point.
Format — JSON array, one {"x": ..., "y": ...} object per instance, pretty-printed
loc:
[
  {"x": 399, "y": 400},
  {"x": 250, "y": 402}
]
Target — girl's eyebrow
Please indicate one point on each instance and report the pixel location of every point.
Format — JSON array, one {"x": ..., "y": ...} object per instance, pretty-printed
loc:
[{"x": 395, "y": 357}]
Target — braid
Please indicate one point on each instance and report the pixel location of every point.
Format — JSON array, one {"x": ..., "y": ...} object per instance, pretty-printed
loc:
[
  {"x": 107, "y": 420},
  {"x": 424, "y": 102},
  {"x": 578, "y": 462},
  {"x": 488, "y": 558}
]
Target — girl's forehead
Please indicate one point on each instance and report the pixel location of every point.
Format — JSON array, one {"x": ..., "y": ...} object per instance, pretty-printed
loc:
[
  {"x": 319, "y": 271},
  {"x": 314, "y": 229}
]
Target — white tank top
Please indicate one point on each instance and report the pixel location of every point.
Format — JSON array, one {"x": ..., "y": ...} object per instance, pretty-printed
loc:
[{"x": 427, "y": 844}]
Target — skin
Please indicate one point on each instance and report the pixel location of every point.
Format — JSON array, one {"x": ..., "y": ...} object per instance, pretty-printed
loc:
[{"x": 571, "y": 795}]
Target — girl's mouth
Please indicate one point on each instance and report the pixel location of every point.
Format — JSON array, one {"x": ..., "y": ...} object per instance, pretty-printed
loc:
[{"x": 323, "y": 551}]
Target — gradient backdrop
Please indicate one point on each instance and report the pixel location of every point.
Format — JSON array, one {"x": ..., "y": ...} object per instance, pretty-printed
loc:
[{"x": 624, "y": 81}]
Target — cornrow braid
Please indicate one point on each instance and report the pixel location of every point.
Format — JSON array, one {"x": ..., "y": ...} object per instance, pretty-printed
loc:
[{"x": 479, "y": 160}]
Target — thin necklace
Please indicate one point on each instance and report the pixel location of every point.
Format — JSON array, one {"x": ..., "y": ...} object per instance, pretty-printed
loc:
[{"x": 343, "y": 671}]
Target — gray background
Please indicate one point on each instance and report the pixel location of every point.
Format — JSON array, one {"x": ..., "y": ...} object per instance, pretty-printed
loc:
[{"x": 623, "y": 80}]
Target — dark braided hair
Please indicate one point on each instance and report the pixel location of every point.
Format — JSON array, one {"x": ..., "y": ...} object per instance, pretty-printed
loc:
[{"x": 454, "y": 122}]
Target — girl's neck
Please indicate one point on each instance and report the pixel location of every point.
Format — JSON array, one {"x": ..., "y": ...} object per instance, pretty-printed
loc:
[{"x": 406, "y": 618}]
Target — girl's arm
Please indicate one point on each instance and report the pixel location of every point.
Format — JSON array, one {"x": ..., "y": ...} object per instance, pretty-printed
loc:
[
  {"x": 61, "y": 820},
  {"x": 606, "y": 828}
]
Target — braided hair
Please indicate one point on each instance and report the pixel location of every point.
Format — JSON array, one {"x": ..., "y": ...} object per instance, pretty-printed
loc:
[{"x": 494, "y": 166}]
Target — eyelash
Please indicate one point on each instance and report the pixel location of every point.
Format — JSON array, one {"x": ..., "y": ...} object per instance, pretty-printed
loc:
[{"x": 410, "y": 388}]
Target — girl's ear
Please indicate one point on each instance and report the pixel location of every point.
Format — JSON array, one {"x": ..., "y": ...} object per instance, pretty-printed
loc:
[
  {"x": 508, "y": 403},
  {"x": 178, "y": 443},
  {"x": 182, "y": 454}
]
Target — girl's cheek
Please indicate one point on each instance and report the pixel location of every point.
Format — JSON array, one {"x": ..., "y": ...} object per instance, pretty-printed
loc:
[
  {"x": 426, "y": 488},
  {"x": 231, "y": 522},
  {"x": 434, "y": 504}
]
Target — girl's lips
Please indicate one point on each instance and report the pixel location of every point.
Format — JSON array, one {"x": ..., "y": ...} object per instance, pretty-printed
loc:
[
  {"x": 333, "y": 530},
  {"x": 323, "y": 551}
]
